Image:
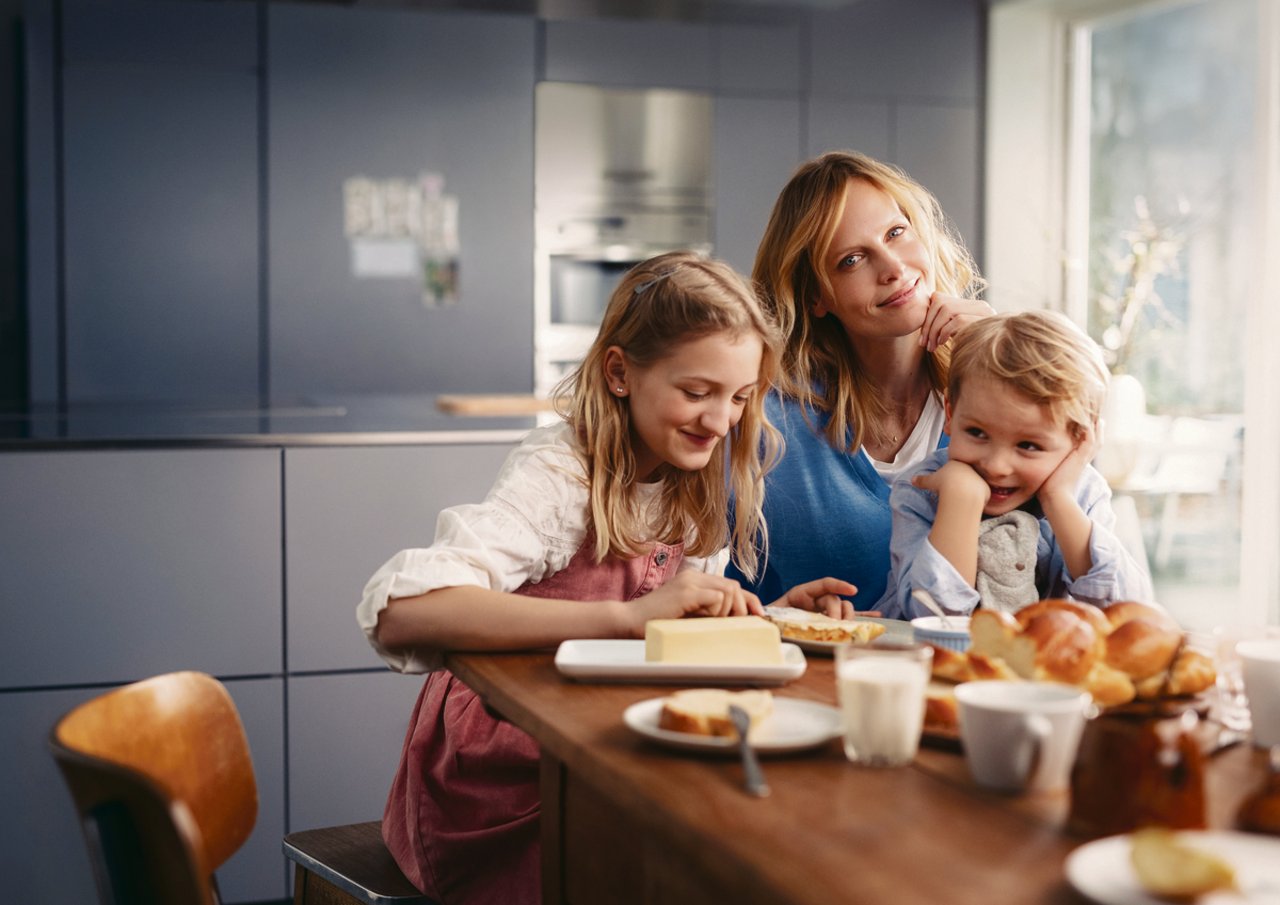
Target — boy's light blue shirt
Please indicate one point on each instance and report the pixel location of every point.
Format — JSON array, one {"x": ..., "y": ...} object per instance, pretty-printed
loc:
[{"x": 915, "y": 563}]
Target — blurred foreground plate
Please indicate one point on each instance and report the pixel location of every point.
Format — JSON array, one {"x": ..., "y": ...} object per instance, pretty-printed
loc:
[{"x": 1102, "y": 871}]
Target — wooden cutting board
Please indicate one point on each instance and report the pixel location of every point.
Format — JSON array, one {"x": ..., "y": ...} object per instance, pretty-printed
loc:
[{"x": 492, "y": 404}]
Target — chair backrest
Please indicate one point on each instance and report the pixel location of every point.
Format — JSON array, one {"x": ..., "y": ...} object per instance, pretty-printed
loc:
[{"x": 162, "y": 778}]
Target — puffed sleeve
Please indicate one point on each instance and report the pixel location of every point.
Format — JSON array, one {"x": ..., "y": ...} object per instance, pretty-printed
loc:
[{"x": 528, "y": 527}]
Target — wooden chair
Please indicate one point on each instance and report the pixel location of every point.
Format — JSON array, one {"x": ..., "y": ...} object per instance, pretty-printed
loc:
[
  {"x": 162, "y": 778},
  {"x": 345, "y": 865}
]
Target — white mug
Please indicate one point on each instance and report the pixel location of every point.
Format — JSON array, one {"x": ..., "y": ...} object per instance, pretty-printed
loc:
[
  {"x": 1260, "y": 663},
  {"x": 1021, "y": 736}
]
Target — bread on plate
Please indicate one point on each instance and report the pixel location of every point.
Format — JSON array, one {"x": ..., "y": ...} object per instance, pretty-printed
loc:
[
  {"x": 805, "y": 625},
  {"x": 705, "y": 711}
]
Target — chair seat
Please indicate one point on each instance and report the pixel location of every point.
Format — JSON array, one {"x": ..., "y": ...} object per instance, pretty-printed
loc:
[{"x": 351, "y": 859}]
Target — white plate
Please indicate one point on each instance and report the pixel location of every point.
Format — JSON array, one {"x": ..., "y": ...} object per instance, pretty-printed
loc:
[
  {"x": 1102, "y": 871},
  {"x": 894, "y": 630},
  {"x": 610, "y": 660},
  {"x": 794, "y": 725}
]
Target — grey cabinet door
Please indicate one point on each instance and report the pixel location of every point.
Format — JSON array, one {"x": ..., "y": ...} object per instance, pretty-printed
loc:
[
  {"x": 116, "y": 565},
  {"x": 345, "y": 736},
  {"x": 390, "y": 95},
  {"x": 42, "y": 851},
  {"x": 747, "y": 184},
  {"x": 160, "y": 217},
  {"x": 629, "y": 53},
  {"x": 349, "y": 510}
]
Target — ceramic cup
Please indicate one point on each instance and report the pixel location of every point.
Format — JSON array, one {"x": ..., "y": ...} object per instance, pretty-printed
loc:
[
  {"x": 881, "y": 692},
  {"x": 1260, "y": 664},
  {"x": 1021, "y": 736}
]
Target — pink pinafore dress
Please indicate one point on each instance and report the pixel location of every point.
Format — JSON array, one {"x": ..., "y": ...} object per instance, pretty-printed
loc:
[{"x": 462, "y": 815}]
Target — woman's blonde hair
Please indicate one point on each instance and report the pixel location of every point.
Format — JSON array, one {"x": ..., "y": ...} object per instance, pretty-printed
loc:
[
  {"x": 819, "y": 365},
  {"x": 1041, "y": 354},
  {"x": 660, "y": 304}
]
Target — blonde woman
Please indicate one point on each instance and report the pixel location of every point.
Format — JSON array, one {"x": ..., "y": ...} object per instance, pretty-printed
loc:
[
  {"x": 612, "y": 517},
  {"x": 1012, "y": 512},
  {"x": 869, "y": 283}
]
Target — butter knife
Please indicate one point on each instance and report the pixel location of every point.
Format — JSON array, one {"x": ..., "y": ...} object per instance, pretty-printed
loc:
[{"x": 753, "y": 775}]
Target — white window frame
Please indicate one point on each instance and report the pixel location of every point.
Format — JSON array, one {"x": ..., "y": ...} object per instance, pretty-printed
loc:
[{"x": 1036, "y": 224}]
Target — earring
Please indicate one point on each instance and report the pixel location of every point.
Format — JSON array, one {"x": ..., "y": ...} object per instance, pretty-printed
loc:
[{"x": 619, "y": 391}]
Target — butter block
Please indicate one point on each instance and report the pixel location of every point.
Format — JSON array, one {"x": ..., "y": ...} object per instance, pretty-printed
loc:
[{"x": 726, "y": 641}]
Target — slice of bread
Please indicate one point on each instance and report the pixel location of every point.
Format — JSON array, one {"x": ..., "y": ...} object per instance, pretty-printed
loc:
[
  {"x": 804, "y": 625},
  {"x": 705, "y": 711},
  {"x": 1170, "y": 868}
]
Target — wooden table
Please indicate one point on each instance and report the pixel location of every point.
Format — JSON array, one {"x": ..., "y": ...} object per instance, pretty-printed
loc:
[{"x": 624, "y": 820}]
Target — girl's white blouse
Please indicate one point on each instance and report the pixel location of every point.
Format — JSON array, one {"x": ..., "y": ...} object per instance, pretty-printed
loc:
[{"x": 531, "y": 523}]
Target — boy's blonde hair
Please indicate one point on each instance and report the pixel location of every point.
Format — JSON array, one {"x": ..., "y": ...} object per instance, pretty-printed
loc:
[
  {"x": 819, "y": 365},
  {"x": 1041, "y": 354},
  {"x": 658, "y": 305}
]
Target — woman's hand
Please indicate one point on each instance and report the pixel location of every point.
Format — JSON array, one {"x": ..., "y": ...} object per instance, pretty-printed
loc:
[
  {"x": 947, "y": 314},
  {"x": 694, "y": 593},
  {"x": 822, "y": 595}
]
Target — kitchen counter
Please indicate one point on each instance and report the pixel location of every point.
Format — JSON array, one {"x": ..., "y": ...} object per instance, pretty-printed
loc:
[{"x": 338, "y": 420}]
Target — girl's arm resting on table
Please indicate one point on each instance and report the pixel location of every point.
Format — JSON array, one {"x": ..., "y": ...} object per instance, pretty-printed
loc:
[{"x": 469, "y": 617}]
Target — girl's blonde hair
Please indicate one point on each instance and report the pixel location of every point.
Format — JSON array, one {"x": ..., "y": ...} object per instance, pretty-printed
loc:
[
  {"x": 660, "y": 304},
  {"x": 1041, "y": 354},
  {"x": 819, "y": 365}
]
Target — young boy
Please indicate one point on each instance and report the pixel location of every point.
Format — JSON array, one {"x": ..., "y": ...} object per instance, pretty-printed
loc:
[{"x": 1011, "y": 511}]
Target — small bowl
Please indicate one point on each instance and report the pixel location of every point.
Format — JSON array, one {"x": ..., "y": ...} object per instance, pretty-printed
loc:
[{"x": 929, "y": 630}]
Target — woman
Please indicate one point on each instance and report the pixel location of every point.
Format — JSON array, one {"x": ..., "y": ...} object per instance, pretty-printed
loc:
[{"x": 869, "y": 283}]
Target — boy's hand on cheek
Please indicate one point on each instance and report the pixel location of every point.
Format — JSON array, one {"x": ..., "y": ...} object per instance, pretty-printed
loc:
[
  {"x": 1061, "y": 483},
  {"x": 955, "y": 480}
]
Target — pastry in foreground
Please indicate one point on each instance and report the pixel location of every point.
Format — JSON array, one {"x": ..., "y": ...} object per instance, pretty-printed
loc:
[
  {"x": 1170, "y": 868},
  {"x": 705, "y": 711}
]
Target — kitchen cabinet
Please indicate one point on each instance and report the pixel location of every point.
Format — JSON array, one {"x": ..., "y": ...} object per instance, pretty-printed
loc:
[
  {"x": 345, "y": 735},
  {"x": 747, "y": 184},
  {"x": 246, "y": 563},
  {"x": 159, "y": 103},
  {"x": 117, "y": 564},
  {"x": 347, "y": 511},
  {"x": 389, "y": 95},
  {"x": 629, "y": 53}
]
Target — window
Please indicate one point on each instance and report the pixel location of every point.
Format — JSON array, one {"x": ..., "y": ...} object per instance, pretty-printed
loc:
[{"x": 1132, "y": 182}]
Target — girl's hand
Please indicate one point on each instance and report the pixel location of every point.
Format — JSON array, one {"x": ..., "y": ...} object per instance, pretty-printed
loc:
[
  {"x": 947, "y": 314},
  {"x": 694, "y": 593},
  {"x": 1060, "y": 486},
  {"x": 821, "y": 596}
]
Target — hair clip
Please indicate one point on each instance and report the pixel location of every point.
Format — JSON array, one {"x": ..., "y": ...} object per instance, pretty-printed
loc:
[{"x": 647, "y": 283}]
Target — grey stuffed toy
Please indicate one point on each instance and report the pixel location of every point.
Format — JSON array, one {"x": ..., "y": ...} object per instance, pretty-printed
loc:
[{"x": 1007, "y": 561}]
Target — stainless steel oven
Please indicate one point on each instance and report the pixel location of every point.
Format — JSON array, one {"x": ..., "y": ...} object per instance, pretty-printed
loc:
[{"x": 621, "y": 175}]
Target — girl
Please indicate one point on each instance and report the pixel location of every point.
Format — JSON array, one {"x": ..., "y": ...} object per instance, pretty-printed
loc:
[{"x": 612, "y": 517}]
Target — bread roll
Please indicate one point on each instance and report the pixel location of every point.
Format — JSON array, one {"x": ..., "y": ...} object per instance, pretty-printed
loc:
[
  {"x": 705, "y": 711},
  {"x": 1109, "y": 686},
  {"x": 940, "y": 708},
  {"x": 1142, "y": 647},
  {"x": 1127, "y": 610},
  {"x": 1090, "y": 614}
]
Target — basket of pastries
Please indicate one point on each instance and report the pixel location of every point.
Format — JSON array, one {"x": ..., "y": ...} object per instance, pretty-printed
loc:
[{"x": 1123, "y": 653}]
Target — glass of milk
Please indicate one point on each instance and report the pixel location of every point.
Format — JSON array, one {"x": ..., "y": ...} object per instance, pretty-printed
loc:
[{"x": 881, "y": 693}]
